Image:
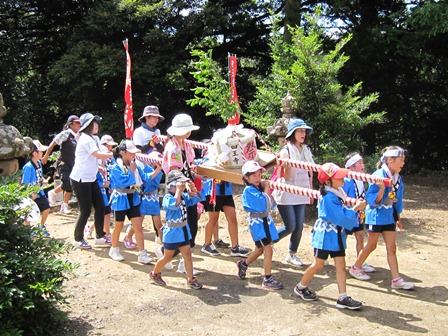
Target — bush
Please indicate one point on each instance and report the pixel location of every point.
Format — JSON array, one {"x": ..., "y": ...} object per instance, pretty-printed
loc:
[{"x": 31, "y": 270}]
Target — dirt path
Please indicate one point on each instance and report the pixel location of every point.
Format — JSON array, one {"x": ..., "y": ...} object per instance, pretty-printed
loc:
[{"x": 116, "y": 298}]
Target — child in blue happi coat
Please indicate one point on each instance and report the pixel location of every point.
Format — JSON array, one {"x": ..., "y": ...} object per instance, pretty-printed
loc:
[
  {"x": 385, "y": 205},
  {"x": 32, "y": 174},
  {"x": 329, "y": 237},
  {"x": 355, "y": 189},
  {"x": 181, "y": 194},
  {"x": 257, "y": 200},
  {"x": 125, "y": 199}
]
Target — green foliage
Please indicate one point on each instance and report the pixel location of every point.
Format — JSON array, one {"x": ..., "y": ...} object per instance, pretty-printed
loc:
[
  {"x": 32, "y": 270},
  {"x": 214, "y": 92},
  {"x": 303, "y": 67}
]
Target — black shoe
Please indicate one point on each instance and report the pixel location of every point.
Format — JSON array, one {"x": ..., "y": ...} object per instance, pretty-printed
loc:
[
  {"x": 305, "y": 294},
  {"x": 239, "y": 251},
  {"x": 210, "y": 250},
  {"x": 221, "y": 243},
  {"x": 349, "y": 303},
  {"x": 241, "y": 269}
]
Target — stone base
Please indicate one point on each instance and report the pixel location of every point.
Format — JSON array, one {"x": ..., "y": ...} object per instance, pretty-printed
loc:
[{"x": 9, "y": 167}]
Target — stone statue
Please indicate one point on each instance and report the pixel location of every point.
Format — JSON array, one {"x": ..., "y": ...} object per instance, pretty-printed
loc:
[
  {"x": 12, "y": 145},
  {"x": 280, "y": 127}
]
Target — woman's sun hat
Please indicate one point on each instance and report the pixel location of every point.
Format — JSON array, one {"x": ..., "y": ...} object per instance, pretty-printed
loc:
[
  {"x": 298, "y": 123},
  {"x": 86, "y": 119},
  {"x": 151, "y": 110},
  {"x": 181, "y": 125}
]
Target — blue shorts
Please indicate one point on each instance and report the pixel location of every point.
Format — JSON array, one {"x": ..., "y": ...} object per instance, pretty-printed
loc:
[{"x": 381, "y": 228}]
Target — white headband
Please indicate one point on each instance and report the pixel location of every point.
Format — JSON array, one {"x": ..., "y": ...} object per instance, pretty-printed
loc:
[
  {"x": 350, "y": 162},
  {"x": 392, "y": 153}
]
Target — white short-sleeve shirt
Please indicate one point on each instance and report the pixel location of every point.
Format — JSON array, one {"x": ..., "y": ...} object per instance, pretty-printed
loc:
[
  {"x": 143, "y": 136},
  {"x": 86, "y": 165}
]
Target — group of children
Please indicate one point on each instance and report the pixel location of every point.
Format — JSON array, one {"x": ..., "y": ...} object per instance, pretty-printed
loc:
[{"x": 130, "y": 188}]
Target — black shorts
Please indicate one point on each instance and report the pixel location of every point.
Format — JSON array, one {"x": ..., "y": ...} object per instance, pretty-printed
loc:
[
  {"x": 107, "y": 210},
  {"x": 64, "y": 175},
  {"x": 323, "y": 254},
  {"x": 355, "y": 229},
  {"x": 130, "y": 213},
  {"x": 42, "y": 203},
  {"x": 221, "y": 201},
  {"x": 381, "y": 228},
  {"x": 263, "y": 242},
  {"x": 175, "y": 246}
]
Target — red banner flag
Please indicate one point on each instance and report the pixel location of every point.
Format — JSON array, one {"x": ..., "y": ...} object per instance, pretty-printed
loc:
[
  {"x": 128, "y": 110},
  {"x": 233, "y": 67}
]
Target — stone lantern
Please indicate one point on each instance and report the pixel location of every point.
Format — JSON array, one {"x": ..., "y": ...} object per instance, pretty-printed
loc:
[
  {"x": 280, "y": 127},
  {"x": 12, "y": 145}
]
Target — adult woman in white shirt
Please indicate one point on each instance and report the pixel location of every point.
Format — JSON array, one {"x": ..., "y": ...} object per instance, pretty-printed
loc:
[{"x": 83, "y": 180}]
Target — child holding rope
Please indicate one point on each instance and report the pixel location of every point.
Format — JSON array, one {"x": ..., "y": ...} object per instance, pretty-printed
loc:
[
  {"x": 329, "y": 233},
  {"x": 257, "y": 200},
  {"x": 355, "y": 189},
  {"x": 385, "y": 205}
]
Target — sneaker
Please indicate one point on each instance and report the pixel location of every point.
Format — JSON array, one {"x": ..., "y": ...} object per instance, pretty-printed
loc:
[
  {"x": 157, "y": 279},
  {"x": 181, "y": 268},
  {"x": 241, "y": 269},
  {"x": 401, "y": 284},
  {"x": 221, "y": 243},
  {"x": 65, "y": 210},
  {"x": 82, "y": 244},
  {"x": 52, "y": 198},
  {"x": 210, "y": 249},
  {"x": 358, "y": 273},
  {"x": 88, "y": 230},
  {"x": 115, "y": 254},
  {"x": 305, "y": 294},
  {"x": 102, "y": 241},
  {"x": 293, "y": 260},
  {"x": 129, "y": 244},
  {"x": 239, "y": 251},
  {"x": 159, "y": 254},
  {"x": 143, "y": 257},
  {"x": 44, "y": 231},
  {"x": 272, "y": 284},
  {"x": 195, "y": 284},
  {"x": 349, "y": 303},
  {"x": 367, "y": 268}
]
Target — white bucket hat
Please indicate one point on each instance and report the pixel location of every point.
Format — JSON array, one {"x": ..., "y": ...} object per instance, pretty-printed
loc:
[{"x": 181, "y": 124}]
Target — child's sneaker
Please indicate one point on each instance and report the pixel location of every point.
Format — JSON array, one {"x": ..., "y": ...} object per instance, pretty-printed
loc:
[
  {"x": 221, "y": 243},
  {"x": 401, "y": 284},
  {"x": 305, "y": 294},
  {"x": 293, "y": 260},
  {"x": 239, "y": 251},
  {"x": 157, "y": 279},
  {"x": 241, "y": 269},
  {"x": 44, "y": 231},
  {"x": 143, "y": 257},
  {"x": 195, "y": 284},
  {"x": 349, "y": 303},
  {"x": 210, "y": 250},
  {"x": 358, "y": 273},
  {"x": 129, "y": 244},
  {"x": 272, "y": 284},
  {"x": 82, "y": 244},
  {"x": 65, "y": 210},
  {"x": 181, "y": 268},
  {"x": 115, "y": 254},
  {"x": 367, "y": 268}
]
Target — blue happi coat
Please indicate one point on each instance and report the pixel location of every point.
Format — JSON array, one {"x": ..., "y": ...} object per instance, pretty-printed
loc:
[
  {"x": 123, "y": 178},
  {"x": 259, "y": 203},
  {"x": 150, "y": 204},
  {"x": 383, "y": 213},
  {"x": 333, "y": 218}
]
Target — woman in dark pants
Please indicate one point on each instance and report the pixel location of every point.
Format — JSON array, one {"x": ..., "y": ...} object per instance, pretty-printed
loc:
[{"x": 83, "y": 180}]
